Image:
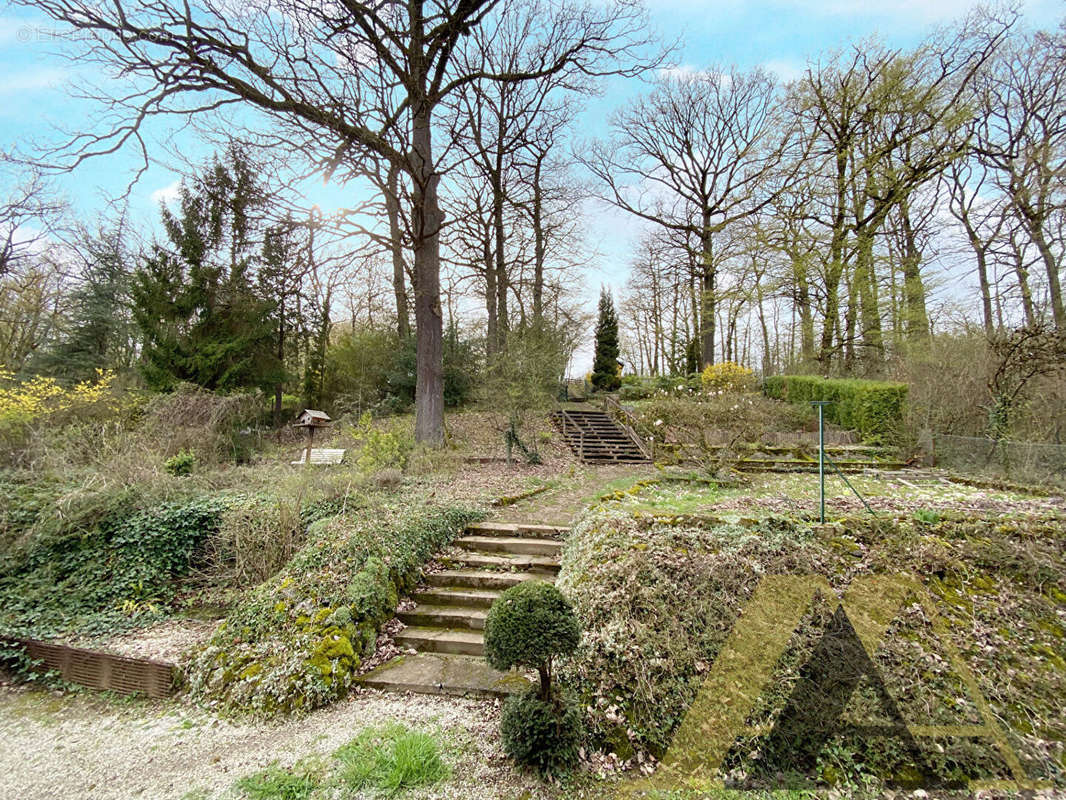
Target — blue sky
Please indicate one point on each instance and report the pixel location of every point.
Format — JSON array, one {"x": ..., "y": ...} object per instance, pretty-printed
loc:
[{"x": 781, "y": 35}]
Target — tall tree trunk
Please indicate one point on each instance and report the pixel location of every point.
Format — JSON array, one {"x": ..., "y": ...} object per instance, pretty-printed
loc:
[
  {"x": 539, "y": 247},
  {"x": 916, "y": 323},
  {"x": 835, "y": 268},
  {"x": 399, "y": 279},
  {"x": 492, "y": 333},
  {"x": 850, "y": 315},
  {"x": 278, "y": 388},
  {"x": 864, "y": 283},
  {"x": 429, "y": 322},
  {"x": 1022, "y": 272},
  {"x": 980, "y": 251},
  {"x": 708, "y": 300},
  {"x": 803, "y": 306},
  {"x": 1051, "y": 266},
  {"x": 501, "y": 262}
]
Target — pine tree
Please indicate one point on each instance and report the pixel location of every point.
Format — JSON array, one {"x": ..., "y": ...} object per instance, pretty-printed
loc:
[
  {"x": 193, "y": 300},
  {"x": 605, "y": 365}
]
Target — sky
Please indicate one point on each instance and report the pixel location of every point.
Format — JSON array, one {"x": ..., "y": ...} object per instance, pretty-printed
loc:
[{"x": 781, "y": 36}]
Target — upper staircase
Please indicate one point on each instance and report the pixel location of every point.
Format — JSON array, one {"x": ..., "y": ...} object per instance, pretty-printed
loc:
[{"x": 595, "y": 437}]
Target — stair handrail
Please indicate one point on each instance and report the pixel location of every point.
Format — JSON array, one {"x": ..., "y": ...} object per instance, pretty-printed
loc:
[
  {"x": 565, "y": 416},
  {"x": 625, "y": 421}
]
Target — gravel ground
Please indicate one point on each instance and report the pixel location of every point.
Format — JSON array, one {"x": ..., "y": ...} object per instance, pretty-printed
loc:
[
  {"x": 90, "y": 748},
  {"x": 170, "y": 641}
]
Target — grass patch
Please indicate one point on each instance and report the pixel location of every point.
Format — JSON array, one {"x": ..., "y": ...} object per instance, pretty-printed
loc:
[
  {"x": 391, "y": 760},
  {"x": 278, "y": 783}
]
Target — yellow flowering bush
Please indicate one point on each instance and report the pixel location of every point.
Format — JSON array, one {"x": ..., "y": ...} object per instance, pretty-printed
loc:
[
  {"x": 23, "y": 403},
  {"x": 728, "y": 377}
]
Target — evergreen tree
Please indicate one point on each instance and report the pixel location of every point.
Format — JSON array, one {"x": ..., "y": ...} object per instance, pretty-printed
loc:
[
  {"x": 193, "y": 300},
  {"x": 282, "y": 270},
  {"x": 99, "y": 332},
  {"x": 605, "y": 365}
]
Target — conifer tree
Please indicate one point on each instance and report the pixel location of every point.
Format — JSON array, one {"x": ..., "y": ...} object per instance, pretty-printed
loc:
[
  {"x": 193, "y": 300},
  {"x": 99, "y": 332},
  {"x": 605, "y": 365}
]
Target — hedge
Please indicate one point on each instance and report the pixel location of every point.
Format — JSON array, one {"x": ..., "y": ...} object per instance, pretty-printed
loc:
[{"x": 873, "y": 408}]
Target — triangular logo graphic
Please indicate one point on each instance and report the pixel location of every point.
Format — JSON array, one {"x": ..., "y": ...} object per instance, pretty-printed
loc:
[{"x": 815, "y": 711}]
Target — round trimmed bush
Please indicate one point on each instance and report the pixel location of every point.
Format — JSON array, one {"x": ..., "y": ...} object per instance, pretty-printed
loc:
[
  {"x": 544, "y": 734},
  {"x": 528, "y": 626}
]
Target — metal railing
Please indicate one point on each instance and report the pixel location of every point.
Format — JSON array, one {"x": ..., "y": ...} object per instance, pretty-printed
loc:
[
  {"x": 625, "y": 421},
  {"x": 566, "y": 420}
]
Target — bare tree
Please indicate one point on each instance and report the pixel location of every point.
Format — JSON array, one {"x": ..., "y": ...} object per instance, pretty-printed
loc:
[
  {"x": 1022, "y": 138},
  {"x": 305, "y": 67},
  {"x": 695, "y": 156}
]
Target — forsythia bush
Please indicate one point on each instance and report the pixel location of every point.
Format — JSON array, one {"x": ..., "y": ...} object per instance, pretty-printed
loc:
[
  {"x": 26, "y": 402},
  {"x": 728, "y": 377}
]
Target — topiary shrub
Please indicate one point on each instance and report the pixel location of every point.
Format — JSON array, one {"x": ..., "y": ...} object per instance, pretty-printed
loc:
[
  {"x": 544, "y": 734},
  {"x": 530, "y": 625}
]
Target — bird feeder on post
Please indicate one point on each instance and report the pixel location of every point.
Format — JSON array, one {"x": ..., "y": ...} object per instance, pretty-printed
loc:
[{"x": 309, "y": 420}]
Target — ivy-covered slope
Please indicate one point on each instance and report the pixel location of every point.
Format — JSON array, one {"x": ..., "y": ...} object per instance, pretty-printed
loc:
[{"x": 298, "y": 639}]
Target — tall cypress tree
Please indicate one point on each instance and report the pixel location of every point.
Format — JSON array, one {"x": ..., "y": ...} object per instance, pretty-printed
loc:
[
  {"x": 193, "y": 300},
  {"x": 605, "y": 365}
]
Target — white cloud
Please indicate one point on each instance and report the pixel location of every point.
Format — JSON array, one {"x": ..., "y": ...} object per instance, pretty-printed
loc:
[
  {"x": 32, "y": 80},
  {"x": 167, "y": 194},
  {"x": 784, "y": 69}
]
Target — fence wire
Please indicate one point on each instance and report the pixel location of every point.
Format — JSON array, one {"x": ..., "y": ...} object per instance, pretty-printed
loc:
[{"x": 1015, "y": 461}]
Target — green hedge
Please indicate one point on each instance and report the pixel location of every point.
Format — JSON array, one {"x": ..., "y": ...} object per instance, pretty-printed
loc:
[
  {"x": 873, "y": 408},
  {"x": 298, "y": 640}
]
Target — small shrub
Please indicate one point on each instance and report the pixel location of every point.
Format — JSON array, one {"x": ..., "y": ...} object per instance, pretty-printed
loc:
[
  {"x": 391, "y": 760},
  {"x": 182, "y": 463},
  {"x": 378, "y": 450},
  {"x": 543, "y": 734},
  {"x": 530, "y": 625},
  {"x": 728, "y": 377},
  {"x": 256, "y": 537}
]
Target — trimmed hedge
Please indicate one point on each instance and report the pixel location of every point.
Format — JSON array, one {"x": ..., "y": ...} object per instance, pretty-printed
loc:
[{"x": 873, "y": 408}]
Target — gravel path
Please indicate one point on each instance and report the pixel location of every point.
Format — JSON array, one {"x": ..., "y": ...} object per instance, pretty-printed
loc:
[{"x": 85, "y": 747}]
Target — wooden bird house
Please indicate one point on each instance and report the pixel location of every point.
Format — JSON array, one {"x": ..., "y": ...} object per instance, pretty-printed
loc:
[{"x": 310, "y": 420}]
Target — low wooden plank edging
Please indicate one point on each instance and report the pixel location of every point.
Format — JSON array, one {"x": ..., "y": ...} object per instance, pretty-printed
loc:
[{"x": 103, "y": 671}]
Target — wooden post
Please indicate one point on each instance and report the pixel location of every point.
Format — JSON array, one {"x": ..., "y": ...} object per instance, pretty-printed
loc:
[{"x": 310, "y": 442}]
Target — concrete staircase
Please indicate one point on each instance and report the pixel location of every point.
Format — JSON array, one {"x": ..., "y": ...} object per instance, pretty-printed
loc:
[
  {"x": 595, "y": 437},
  {"x": 446, "y": 626}
]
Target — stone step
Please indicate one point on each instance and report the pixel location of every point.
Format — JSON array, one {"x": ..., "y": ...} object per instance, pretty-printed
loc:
[
  {"x": 515, "y": 529},
  {"x": 451, "y": 596},
  {"x": 511, "y": 544},
  {"x": 433, "y": 616},
  {"x": 505, "y": 562},
  {"x": 438, "y": 673},
  {"x": 442, "y": 640},
  {"x": 481, "y": 579}
]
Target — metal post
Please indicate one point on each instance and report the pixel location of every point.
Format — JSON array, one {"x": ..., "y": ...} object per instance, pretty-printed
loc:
[{"x": 820, "y": 405}]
